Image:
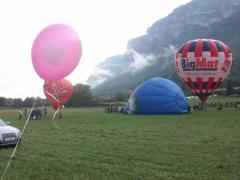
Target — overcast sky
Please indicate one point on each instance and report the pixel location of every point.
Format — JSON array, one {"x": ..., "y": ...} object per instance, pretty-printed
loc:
[{"x": 104, "y": 27}]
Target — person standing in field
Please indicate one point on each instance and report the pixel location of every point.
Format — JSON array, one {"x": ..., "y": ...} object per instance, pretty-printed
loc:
[
  {"x": 25, "y": 111},
  {"x": 20, "y": 113}
]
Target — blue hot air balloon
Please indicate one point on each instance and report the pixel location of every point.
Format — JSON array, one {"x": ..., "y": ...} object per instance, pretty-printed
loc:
[{"x": 157, "y": 96}]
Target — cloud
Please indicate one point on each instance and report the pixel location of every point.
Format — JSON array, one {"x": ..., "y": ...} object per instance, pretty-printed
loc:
[
  {"x": 140, "y": 60},
  {"x": 169, "y": 52},
  {"x": 143, "y": 60},
  {"x": 99, "y": 76},
  {"x": 101, "y": 72}
]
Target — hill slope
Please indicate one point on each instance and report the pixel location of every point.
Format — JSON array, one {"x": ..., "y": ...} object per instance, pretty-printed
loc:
[{"x": 153, "y": 54}]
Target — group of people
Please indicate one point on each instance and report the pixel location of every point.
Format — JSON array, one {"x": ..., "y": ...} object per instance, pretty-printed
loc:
[
  {"x": 20, "y": 113},
  {"x": 219, "y": 106},
  {"x": 35, "y": 114},
  {"x": 114, "y": 108}
]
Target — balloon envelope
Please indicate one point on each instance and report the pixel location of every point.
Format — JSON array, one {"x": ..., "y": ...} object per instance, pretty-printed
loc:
[
  {"x": 56, "y": 52},
  {"x": 157, "y": 96},
  {"x": 203, "y": 64},
  {"x": 58, "y": 92}
]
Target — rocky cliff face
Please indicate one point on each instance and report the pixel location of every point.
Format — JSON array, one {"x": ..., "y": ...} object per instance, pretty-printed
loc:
[
  {"x": 198, "y": 14},
  {"x": 153, "y": 54}
]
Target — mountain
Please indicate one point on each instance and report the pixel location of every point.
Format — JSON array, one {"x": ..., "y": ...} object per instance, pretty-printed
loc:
[{"x": 153, "y": 53}]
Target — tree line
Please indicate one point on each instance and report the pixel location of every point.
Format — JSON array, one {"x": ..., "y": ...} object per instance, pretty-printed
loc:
[{"x": 82, "y": 97}]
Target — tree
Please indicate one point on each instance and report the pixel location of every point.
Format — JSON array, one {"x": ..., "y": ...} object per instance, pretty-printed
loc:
[
  {"x": 28, "y": 102},
  {"x": 119, "y": 96},
  {"x": 3, "y": 101},
  {"x": 17, "y": 102},
  {"x": 82, "y": 96}
]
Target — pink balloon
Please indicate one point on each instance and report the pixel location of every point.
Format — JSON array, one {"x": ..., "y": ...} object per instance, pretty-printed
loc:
[{"x": 56, "y": 52}]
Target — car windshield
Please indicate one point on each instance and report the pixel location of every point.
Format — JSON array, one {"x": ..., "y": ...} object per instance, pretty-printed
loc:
[{"x": 2, "y": 123}]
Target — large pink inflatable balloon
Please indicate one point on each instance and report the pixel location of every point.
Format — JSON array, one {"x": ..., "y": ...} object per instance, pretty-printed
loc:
[{"x": 56, "y": 52}]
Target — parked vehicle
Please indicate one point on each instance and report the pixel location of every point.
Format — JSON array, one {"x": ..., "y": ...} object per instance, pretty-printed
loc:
[{"x": 9, "y": 135}]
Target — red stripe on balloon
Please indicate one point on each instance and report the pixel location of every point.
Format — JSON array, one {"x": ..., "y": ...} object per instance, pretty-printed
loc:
[
  {"x": 213, "y": 48},
  {"x": 178, "y": 51},
  {"x": 186, "y": 82},
  {"x": 185, "y": 49},
  {"x": 198, "y": 48},
  {"x": 225, "y": 49},
  {"x": 217, "y": 84},
  {"x": 199, "y": 83},
  {"x": 176, "y": 59},
  {"x": 209, "y": 84},
  {"x": 176, "y": 56},
  {"x": 190, "y": 84}
]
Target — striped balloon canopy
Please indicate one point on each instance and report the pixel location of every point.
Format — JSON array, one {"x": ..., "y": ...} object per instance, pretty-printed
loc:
[{"x": 203, "y": 64}]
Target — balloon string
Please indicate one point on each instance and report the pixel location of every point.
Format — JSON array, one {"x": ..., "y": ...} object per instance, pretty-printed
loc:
[
  {"x": 18, "y": 141},
  {"x": 54, "y": 115},
  {"x": 48, "y": 93}
]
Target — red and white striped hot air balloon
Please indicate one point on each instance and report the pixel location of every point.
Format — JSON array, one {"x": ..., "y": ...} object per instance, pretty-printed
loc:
[{"x": 203, "y": 64}]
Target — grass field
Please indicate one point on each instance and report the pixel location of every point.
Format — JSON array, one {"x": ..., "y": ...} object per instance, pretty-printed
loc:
[{"x": 95, "y": 145}]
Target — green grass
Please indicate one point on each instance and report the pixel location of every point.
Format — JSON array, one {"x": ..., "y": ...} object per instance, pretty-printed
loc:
[
  {"x": 96, "y": 145},
  {"x": 218, "y": 99}
]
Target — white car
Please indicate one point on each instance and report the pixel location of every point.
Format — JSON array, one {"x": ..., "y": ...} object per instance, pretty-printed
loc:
[{"x": 9, "y": 135}]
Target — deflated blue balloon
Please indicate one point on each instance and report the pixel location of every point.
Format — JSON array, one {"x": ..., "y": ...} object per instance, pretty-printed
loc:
[{"x": 157, "y": 96}]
